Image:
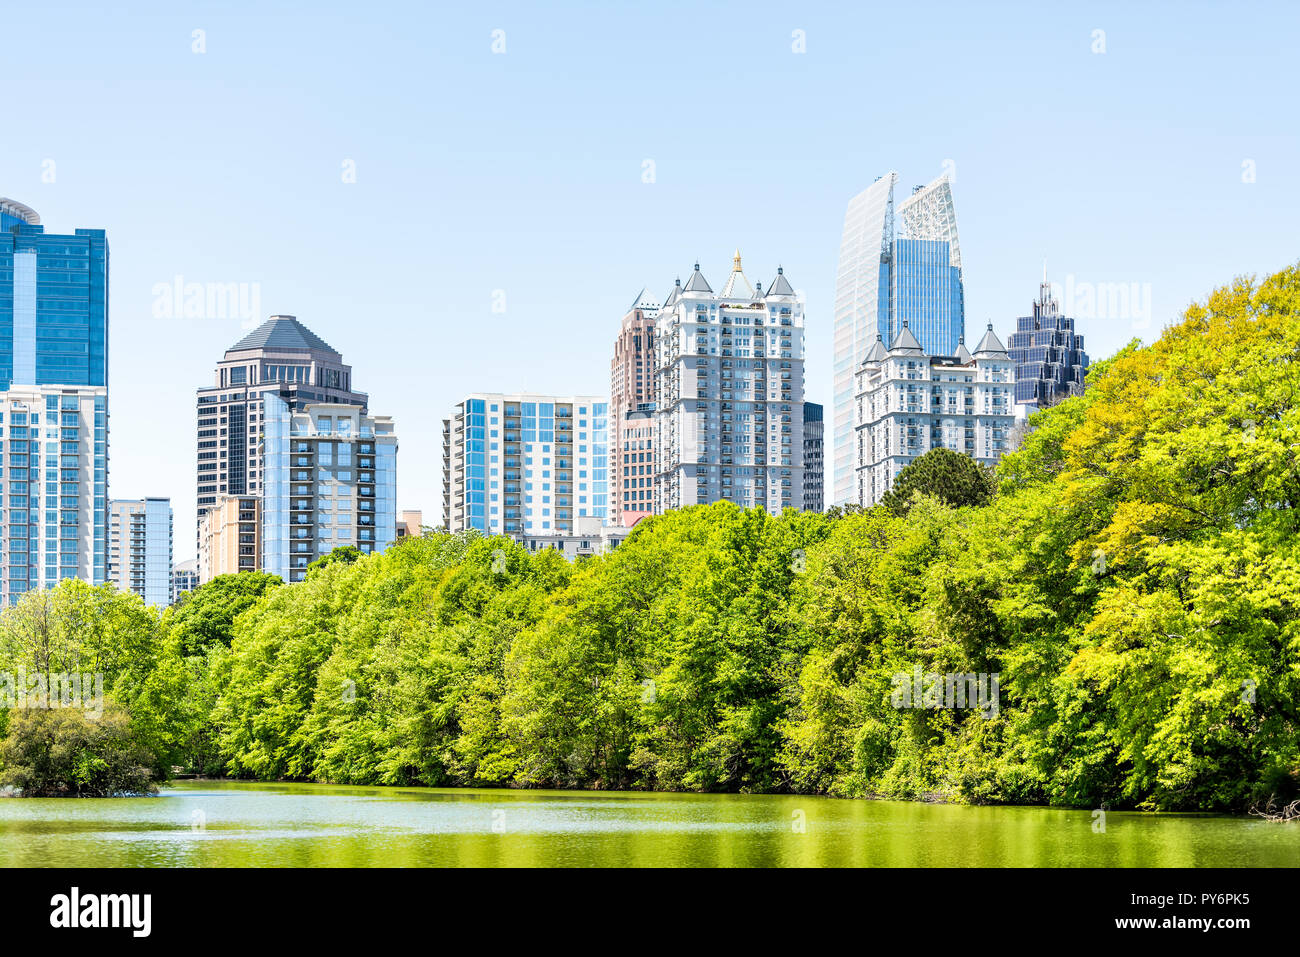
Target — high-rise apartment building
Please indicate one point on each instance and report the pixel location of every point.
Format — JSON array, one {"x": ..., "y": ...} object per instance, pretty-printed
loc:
[
  {"x": 632, "y": 388},
  {"x": 911, "y": 402},
  {"x": 185, "y": 578},
  {"x": 280, "y": 358},
  {"x": 525, "y": 464},
  {"x": 729, "y": 384},
  {"x": 53, "y": 403},
  {"x": 140, "y": 548},
  {"x": 230, "y": 537},
  {"x": 1050, "y": 361},
  {"x": 814, "y": 457},
  {"x": 329, "y": 479},
  {"x": 56, "y": 483},
  {"x": 900, "y": 263}
]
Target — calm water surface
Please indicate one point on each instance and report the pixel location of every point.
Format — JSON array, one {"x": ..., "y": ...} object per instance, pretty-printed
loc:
[{"x": 224, "y": 824}]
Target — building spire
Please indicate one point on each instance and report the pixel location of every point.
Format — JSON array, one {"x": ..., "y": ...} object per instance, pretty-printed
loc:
[{"x": 735, "y": 262}]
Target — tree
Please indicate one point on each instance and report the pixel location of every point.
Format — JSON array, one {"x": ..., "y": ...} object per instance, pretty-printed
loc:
[
  {"x": 209, "y": 615},
  {"x": 64, "y": 752},
  {"x": 954, "y": 479}
]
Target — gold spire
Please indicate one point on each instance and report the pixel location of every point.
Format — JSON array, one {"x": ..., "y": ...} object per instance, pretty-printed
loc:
[{"x": 735, "y": 262}]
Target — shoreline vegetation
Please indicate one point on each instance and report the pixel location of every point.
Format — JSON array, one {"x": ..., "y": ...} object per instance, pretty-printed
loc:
[{"x": 1124, "y": 592}]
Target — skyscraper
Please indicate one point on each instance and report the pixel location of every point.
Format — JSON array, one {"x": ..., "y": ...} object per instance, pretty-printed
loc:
[
  {"x": 814, "y": 499},
  {"x": 53, "y": 302},
  {"x": 329, "y": 481},
  {"x": 729, "y": 387},
  {"x": 1050, "y": 362},
  {"x": 525, "y": 464},
  {"x": 900, "y": 262},
  {"x": 140, "y": 548},
  {"x": 911, "y": 402},
  {"x": 53, "y": 402},
  {"x": 631, "y": 397},
  {"x": 283, "y": 358}
]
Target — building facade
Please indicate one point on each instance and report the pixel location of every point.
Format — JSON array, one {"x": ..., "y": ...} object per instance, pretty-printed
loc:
[
  {"x": 53, "y": 302},
  {"x": 900, "y": 263},
  {"x": 634, "y": 465},
  {"x": 814, "y": 499},
  {"x": 632, "y": 390},
  {"x": 910, "y": 402},
  {"x": 410, "y": 523},
  {"x": 53, "y": 403},
  {"x": 55, "y": 464},
  {"x": 280, "y": 358},
  {"x": 140, "y": 548},
  {"x": 729, "y": 383},
  {"x": 1049, "y": 357},
  {"x": 329, "y": 481},
  {"x": 590, "y": 536},
  {"x": 524, "y": 463},
  {"x": 185, "y": 578},
  {"x": 230, "y": 537}
]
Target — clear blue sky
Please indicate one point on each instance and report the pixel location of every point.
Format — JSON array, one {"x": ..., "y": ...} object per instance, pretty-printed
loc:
[{"x": 522, "y": 172}]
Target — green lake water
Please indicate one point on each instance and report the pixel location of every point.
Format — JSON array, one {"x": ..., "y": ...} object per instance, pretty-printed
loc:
[{"x": 228, "y": 824}]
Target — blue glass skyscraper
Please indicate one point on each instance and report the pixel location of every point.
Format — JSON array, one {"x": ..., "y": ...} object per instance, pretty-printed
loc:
[
  {"x": 53, "y": 403},
  {"x": 900, "y": 263},
  {"x": 53, "y": 302}
]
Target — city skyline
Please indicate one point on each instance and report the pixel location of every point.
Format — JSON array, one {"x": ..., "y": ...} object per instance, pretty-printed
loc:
[{"x": 1091, "y": 171}]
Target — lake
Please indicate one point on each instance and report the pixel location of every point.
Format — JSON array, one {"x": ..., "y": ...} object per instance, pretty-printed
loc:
[{"x": 237, "y": 824}]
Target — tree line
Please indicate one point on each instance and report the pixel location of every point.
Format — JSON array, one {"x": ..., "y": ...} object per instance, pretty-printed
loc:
[{"x": 1128, "y": 580}]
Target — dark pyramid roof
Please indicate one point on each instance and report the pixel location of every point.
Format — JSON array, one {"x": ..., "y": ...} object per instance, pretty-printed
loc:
[
  {"x": 905, "y": 341},
  {"x": 990, "y": 343},
  {"x": 282, "y": 332},
  {"x": 780, "y": 285},
  {"x": 697, "y": 282}
]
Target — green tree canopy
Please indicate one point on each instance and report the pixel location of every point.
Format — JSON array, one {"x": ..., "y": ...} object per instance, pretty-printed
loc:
[{"x": 954, "y": 479}]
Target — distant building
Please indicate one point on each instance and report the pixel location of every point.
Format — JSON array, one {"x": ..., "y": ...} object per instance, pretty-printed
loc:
[
  {"x": 1050, "y": 362},
  {"x": 329, "y": 479},
  {"x": 523, "y": 463},
  {"x": 140, "y": 548},
  {"x": 63, "y": 533},
  {"x": 410, "y": 524},
  {"x": 589, "y": 537},
  {"x": 185, "y": 578},
  {"x": 53, "y": 302},
  {"x": 632, "y": 392},
  {"x": 910, "y": 402},
  {"x": 230, "y": 537},
  {"x": 280, "y": 358},
  {"x": 813, "y": 458},
  {"x": 729, "y": 383},
  {"x": 634, "y": 465},
  {"x": 53, "y": 387},
  {"x": 900, "y": 264}
]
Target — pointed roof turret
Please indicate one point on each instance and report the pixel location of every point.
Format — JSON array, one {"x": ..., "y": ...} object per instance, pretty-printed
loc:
[
  {"x": 780, "y": 285},
  {"x": 991, "y": 344},
  {"x": 697, "y": 282},
  {"x": 644, "y": 301},
  {"x": 737, "y": 286},
  {"x": 878, "y": 350},
  {"x": 906, "y": 342},
  {"x": 675, "y": 294},
  {"x": 963, "y": 354}
]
